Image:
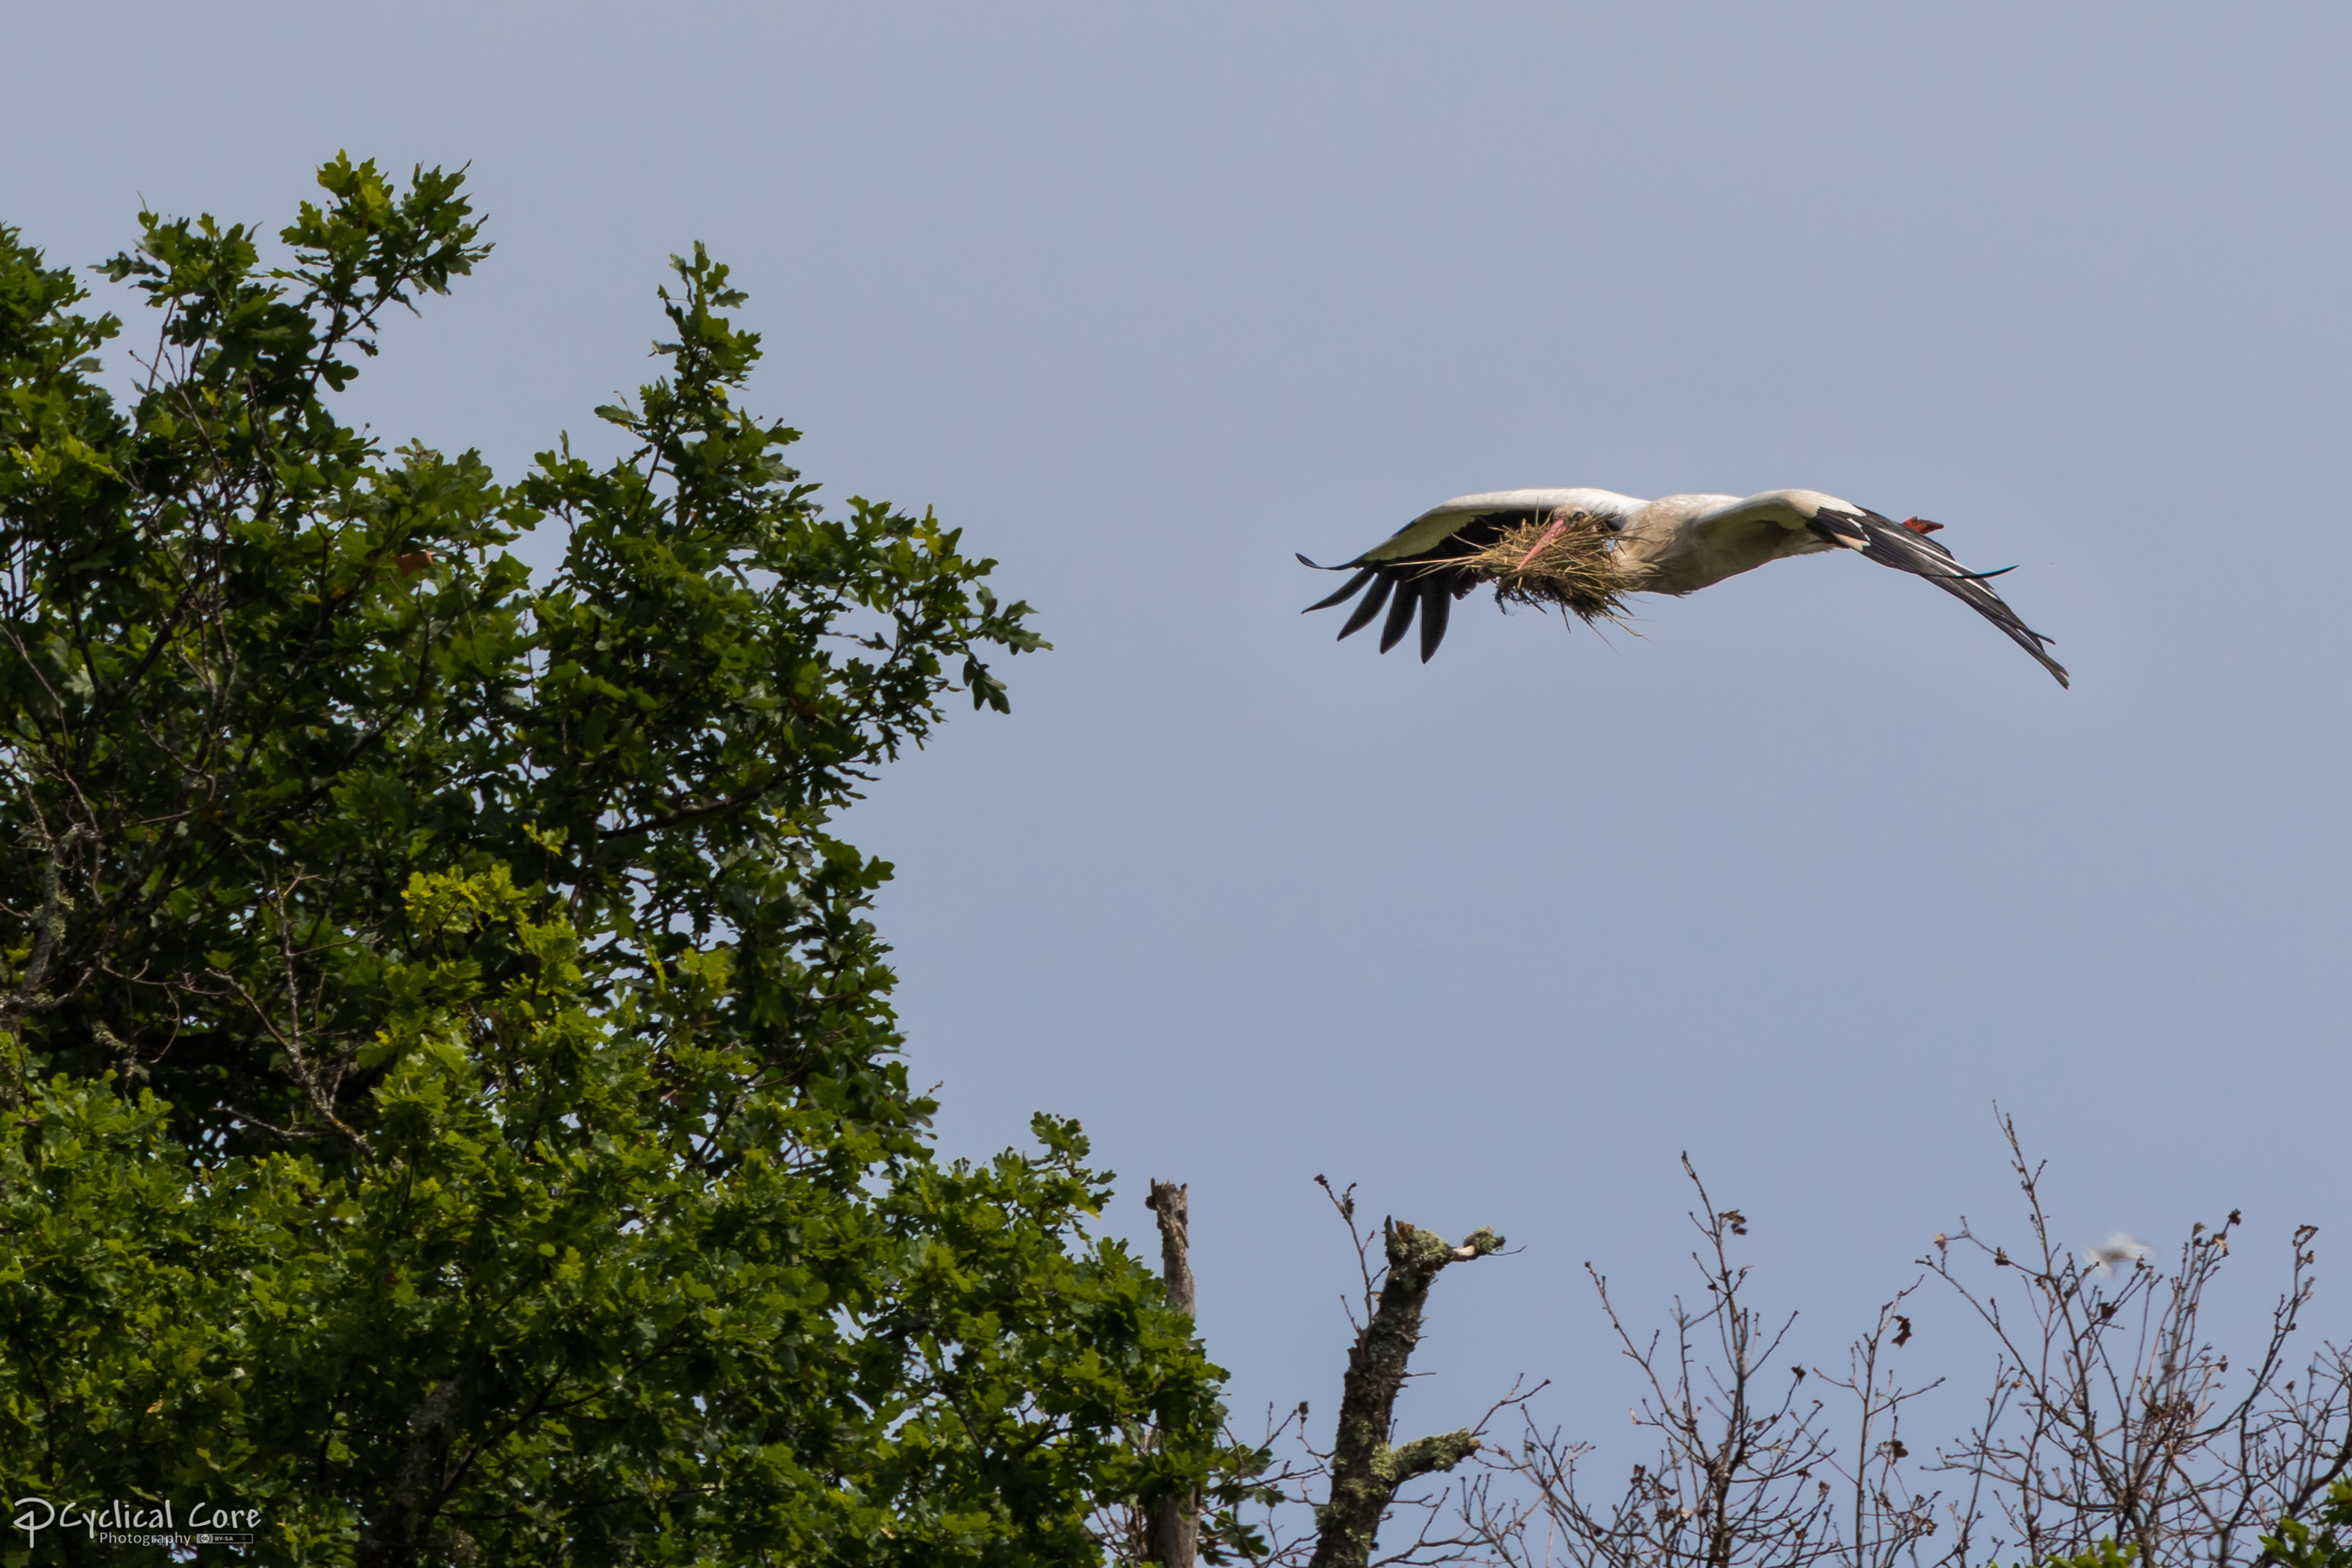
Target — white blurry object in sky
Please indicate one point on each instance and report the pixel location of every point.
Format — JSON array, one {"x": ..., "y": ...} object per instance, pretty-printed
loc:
[{"x": 2116, "y": 1248}]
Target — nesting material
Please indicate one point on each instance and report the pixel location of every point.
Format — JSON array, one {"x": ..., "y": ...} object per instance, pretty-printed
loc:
[{"x": 1569, "y": 561}]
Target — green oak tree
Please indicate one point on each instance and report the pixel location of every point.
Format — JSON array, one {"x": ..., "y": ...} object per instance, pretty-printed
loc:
[
  {"x": 2323, "y": 1541},
  {"x": 450, "y": 1083}
]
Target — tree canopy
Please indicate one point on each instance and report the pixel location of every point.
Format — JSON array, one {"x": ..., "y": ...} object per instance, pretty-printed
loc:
[{"x": 454, "y": 1097}]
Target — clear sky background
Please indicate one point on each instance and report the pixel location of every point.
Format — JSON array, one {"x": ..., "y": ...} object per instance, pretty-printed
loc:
[{"x": 1802, "y": 881}]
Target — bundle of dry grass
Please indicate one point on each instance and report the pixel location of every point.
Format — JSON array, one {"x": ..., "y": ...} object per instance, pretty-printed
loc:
[{"x": 1569, "y": 562}]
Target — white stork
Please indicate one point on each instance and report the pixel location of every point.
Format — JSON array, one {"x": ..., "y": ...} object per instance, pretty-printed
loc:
[{"x": 1677, "y": 545}]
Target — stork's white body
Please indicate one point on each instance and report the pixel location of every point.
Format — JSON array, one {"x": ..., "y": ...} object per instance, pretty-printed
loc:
[
  {"x": 1676, "y": 544},
  {"x": 1683, "y": 543},
  {"x": 1689, "y": 543}
]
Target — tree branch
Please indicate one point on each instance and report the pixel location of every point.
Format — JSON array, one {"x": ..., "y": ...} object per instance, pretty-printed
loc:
[{"x": 1366, "y": 1471}]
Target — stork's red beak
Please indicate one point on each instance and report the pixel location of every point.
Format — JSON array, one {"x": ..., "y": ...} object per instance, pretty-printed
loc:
[
  {"x": 1559, "y": 526},
  {"x": 1921, "y": 525}
]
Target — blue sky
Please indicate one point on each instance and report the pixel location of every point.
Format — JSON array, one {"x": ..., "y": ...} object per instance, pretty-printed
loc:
[{"x": 1802, "y": 879}]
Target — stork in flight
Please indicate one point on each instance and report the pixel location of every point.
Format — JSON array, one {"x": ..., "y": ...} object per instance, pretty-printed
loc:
[{"x": 1677, "y": 545}]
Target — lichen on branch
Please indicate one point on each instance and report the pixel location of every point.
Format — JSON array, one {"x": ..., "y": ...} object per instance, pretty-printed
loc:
[{"x": 1366, "y": 1468}]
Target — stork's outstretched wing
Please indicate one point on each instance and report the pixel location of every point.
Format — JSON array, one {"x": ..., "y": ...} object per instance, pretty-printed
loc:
[
  {"x": 1408, "y": 571},
  {"x": 1422, "y": 582},
  {"x": 1889, "y": 543}
]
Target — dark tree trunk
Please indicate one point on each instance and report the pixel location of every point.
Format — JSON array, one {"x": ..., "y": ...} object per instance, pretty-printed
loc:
[
  {"x": 1173, "y": 1535},
  {"x": 397, "y": 1536}
]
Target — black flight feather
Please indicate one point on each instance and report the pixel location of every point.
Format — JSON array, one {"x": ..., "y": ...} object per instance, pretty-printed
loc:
[
  {"x": 1890, "y": 544},
  {"x": 1433, "y": 597},
  {"x": 1401, "y": 608},
  {"x": 1364, "y": 611},
  {"x": 1436, "y": 605},
  {"x": 1347, "y": 591}
]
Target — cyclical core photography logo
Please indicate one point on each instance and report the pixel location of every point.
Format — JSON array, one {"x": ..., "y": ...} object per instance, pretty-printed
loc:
[{"x": 120, "y": 1523}]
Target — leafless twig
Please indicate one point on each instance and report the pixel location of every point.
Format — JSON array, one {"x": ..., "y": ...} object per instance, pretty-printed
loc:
[
  {"x": 2113, "y": 1415},
  {"x": 1745, "y": 1470}
]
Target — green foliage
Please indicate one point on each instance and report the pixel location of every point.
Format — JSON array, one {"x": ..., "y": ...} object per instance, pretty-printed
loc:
[
  {"x": 2323, "y": 1541},
  {"x": 2103, "y": 1553},
  {"x": 2298, "y": 1544},
  {"x": 452, "y": 1083}
]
